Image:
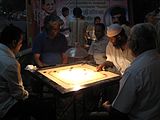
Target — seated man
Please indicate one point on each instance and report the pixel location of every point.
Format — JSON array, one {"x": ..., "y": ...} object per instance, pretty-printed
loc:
[
  {"x": 50, "y": 45},
  {"x": 15, "y": 101},
  {"x": 138, "y": 97},
  {"x": 97, "y": 49},
  {"x": 117, "y": 52}
]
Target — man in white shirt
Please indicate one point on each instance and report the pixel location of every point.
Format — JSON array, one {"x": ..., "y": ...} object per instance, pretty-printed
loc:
[
  {"x": 117, "y": 52},
  {"x": 139, "y": 92},
  {"x": 15, "y": 101},
  {"x": 78, "y": 28},
  {"x": 97, "y": 49},
  {"x": 65, "y": 27}
]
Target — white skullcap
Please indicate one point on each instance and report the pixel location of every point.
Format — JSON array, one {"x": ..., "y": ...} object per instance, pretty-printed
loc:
[{"x": 113, "y": 30}]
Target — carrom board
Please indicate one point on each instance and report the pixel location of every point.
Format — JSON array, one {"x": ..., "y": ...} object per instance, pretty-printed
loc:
[{"x": 77, "y": 75}]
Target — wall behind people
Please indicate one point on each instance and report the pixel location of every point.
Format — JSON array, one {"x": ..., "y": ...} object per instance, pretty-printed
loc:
[
  {"x": 90, "y": 9},
  {"x": 37, "y": 10}
]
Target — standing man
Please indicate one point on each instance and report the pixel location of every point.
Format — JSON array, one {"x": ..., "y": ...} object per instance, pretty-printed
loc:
[
  {"x": 78, "y": 28},
  {"x": 118, "y": 15},
  {"x": 65, "y": 27},
  {"x": 90, "y": 31},
  {"x": 49, "y": 46}
]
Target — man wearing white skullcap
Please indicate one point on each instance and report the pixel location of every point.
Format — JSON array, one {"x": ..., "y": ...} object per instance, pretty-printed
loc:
[
  {"x": 117, "y": 52},
  {"x": 113, "y": 30}
]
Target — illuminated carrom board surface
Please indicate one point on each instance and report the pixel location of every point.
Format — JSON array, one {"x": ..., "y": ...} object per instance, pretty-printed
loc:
[{"x": 75, "y": 76}]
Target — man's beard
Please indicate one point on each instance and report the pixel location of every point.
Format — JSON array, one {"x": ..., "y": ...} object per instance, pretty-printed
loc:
[{"x": 118, "y": 44}]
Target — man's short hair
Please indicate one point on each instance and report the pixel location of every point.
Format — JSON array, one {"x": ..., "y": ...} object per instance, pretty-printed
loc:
[
  {"x": 97, "y": 17},
  {"x": 10, "y": 36},
  {"x": 77, "y": 12},
  {"x": 65, "y": 9},
  {"x": 51, "y": 18},
  {"x": 118, "y": 10},
  {"x": 143, "y": 37},
  {"x": 101, "y": 25}
]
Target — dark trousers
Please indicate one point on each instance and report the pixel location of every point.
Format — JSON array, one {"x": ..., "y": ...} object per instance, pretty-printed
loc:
[{"x": 35, "y": 107}]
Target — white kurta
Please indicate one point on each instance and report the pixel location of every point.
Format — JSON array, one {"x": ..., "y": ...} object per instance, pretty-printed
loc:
[{"x": 121, "y": 59}]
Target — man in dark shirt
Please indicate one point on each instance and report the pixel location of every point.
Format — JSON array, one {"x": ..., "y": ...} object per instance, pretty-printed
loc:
[{"x": 50, "y": 45}]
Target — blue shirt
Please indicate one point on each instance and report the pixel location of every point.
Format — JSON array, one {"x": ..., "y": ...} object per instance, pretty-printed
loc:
[{"x": 50, "y": 50}]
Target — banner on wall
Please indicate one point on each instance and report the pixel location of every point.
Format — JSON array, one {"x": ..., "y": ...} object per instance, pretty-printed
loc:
[{"x": 38, "y": 9}]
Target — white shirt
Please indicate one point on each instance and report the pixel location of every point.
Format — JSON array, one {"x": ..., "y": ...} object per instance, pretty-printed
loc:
[
  {"x": 78, "y": 28},
  {"x": 11, "y": 85},
  {"x": 121, "y": 59},
  {"x": 65, "y": 20},
  {"x": 139, "y": 93},
  {"x": 98, "y": 50},
  {"x": 66, "y": 33}
]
